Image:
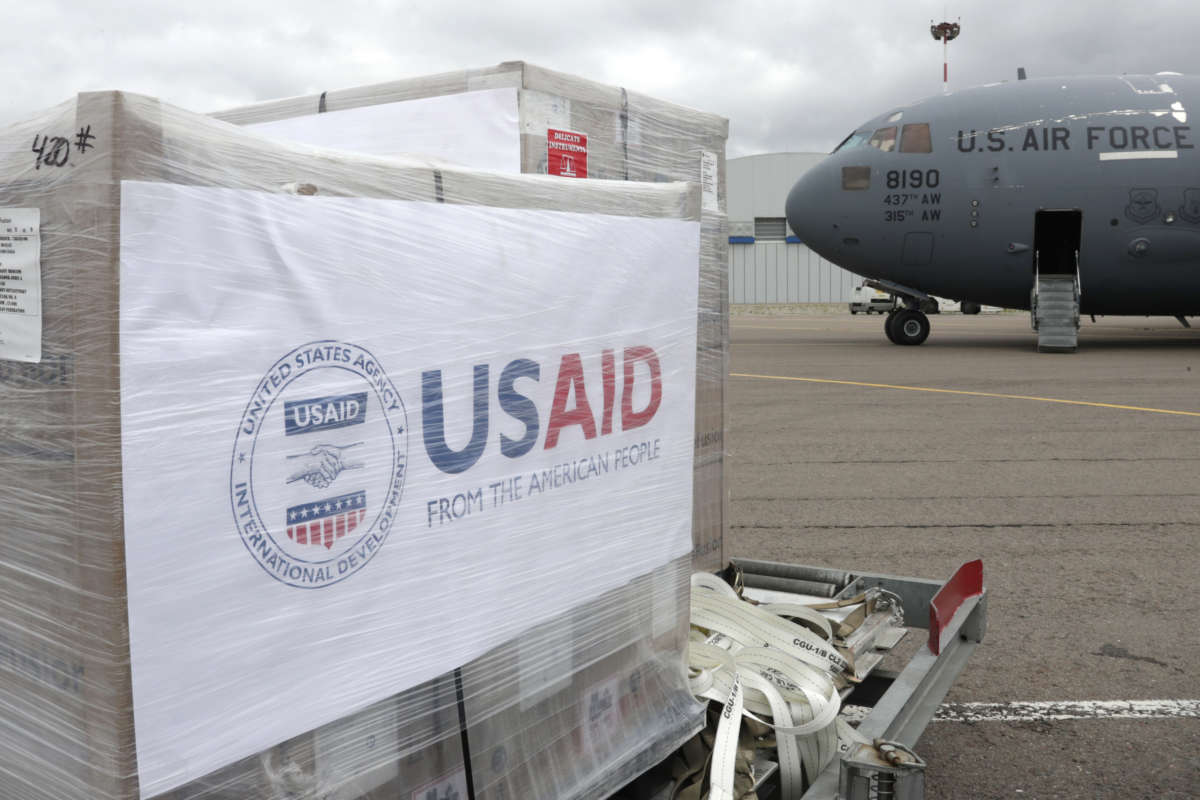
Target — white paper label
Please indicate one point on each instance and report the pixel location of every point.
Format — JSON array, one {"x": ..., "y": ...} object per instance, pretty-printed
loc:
[
  {"x": 601, "y": 711},
  {"x": 361, "y": 448},
  {"x": 708, "y": 181},
  {"x": 20, "y": 284}
]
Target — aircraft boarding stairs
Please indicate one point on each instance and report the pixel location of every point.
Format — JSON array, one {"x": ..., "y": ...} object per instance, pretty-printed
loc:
[{"x": 1055, "y": 310}]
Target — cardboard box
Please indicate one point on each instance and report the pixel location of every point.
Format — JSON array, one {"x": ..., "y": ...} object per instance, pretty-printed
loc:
[
  {"x": 65, "y": 669},
  {"x": 625, "y": 136}
]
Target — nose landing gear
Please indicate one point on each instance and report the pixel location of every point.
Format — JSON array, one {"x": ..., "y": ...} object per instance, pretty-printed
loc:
[{"x": 906, "y": 326}]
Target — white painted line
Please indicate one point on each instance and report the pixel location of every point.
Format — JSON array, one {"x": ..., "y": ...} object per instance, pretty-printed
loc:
[
  {"x": 1045, "y": 711},
  {"x": 1134, "y": 156}
]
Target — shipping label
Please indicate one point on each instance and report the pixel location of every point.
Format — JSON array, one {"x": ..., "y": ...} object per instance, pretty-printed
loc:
[
  {"x": 20, "y": 285},
  {"x": 708, "y": 181}
]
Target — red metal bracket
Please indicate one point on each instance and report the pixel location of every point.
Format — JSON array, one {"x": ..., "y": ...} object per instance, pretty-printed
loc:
[{"x": 966, "y": 582}]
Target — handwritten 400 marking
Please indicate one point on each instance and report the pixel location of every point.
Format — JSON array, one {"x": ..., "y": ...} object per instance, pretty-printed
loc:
[{"x": 55, "y": 151}]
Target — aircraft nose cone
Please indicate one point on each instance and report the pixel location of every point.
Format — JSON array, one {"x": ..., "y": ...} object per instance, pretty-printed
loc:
[{"x": 808, "y": 209}]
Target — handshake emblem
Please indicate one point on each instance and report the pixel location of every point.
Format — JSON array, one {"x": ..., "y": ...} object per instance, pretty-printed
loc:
[{"x": 320, "y": 466}]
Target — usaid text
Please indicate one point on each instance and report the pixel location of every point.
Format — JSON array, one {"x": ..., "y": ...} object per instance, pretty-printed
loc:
[{"x": 594, "y": 412}]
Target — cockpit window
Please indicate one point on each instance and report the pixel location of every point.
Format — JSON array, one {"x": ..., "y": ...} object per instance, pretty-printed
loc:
[
  {"x": 915, "y": 138},
  {"x": 884, "y": 139},
  {"x": 856, "y": 139}
]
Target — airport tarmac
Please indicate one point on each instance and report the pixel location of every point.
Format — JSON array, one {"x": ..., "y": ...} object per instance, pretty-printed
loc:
[{"x": 1075, "y": 477}]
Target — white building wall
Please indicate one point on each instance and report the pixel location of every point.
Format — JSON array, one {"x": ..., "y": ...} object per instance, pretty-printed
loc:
[
  {"x": 775, "y": 271},
  {"x": 778, "y": 272}
]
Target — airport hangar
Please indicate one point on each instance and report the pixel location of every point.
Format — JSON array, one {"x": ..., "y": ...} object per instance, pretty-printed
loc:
[{"x": 768, "y": 264}]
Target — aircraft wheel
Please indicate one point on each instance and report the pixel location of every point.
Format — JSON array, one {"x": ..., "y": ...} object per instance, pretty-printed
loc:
[
  {"x": 887, "y": 326},
  {"x": 910, "y": 327}
]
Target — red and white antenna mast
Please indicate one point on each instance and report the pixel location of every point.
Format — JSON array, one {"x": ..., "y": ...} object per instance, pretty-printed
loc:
[{"x": 945, "y": 32}]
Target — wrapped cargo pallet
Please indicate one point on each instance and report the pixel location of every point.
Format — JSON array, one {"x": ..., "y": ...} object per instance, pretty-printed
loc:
[
  {"x": 518, "y": 117},
  {"x": 334, "y": 476}
]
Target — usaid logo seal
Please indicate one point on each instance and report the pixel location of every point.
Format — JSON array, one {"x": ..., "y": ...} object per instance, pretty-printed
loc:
[{"x": 318, "y": 464}]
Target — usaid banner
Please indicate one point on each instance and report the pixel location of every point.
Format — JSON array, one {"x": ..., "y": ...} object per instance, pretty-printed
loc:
[{"x": 365, "y": 441}]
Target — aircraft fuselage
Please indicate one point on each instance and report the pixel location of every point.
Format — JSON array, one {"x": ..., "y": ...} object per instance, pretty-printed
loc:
[{"x": 943, "y": 195}]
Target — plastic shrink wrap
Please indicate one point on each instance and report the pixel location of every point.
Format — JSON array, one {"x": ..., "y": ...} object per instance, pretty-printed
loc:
[
  {"x": 518, "y": 117},
  {"x": 330, "y": 476}
]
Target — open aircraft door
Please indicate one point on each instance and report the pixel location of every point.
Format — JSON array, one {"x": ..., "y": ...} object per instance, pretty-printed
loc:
[{"x": 1056, "y": 279}]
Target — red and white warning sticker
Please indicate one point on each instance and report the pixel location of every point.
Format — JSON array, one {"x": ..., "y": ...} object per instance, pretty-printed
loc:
[{"x": 566, "y": 153}]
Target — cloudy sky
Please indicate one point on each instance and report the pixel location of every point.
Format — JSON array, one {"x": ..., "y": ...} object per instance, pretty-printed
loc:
[{"x": 794, "y": 75}]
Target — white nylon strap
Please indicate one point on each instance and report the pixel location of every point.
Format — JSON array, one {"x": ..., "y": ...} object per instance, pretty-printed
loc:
[
  {"x": 814, "y": 618},
  {"x": 715, "y": 676},
  {"x": 724, "y": 757},
  {"x": 758, "y": 663},
  {"x": 753, "y": 627},
  {"x": 789, "y": 749},
  {"x": 794, "y": 753},
  {"x": 798, "y": 684},
  {"x": 704, "y": 580}
]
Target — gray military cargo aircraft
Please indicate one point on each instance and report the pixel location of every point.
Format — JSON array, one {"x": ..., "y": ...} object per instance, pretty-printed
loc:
[{"x": 1059, "y": 195}]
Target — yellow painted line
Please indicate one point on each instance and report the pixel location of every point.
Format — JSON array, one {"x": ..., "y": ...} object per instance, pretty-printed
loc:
[
  {"x": 777, "y": 328},
  {"x": 1031, "y": 335},
  {"x": 962, "y": 327},
  {"x": 968, "y": 394}
]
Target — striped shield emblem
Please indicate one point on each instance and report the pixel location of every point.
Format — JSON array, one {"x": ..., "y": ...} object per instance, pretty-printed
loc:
[{"x": 323, "y": 522}]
